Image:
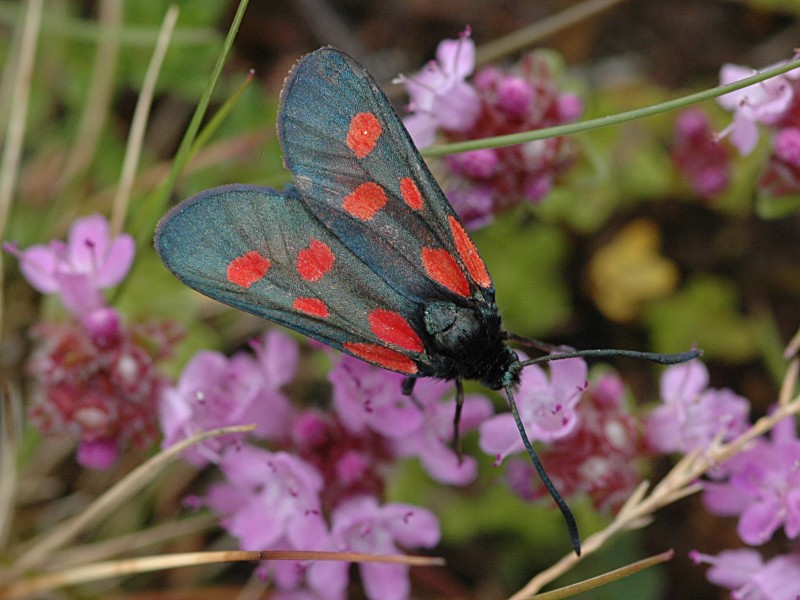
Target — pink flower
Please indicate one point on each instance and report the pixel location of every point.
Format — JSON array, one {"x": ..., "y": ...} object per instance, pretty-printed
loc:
[
  {"x": 97, "y": 454},
  {"x": 362, "y": 525},
  {"x": 78, "y": 270},
  {"x": 278, "y": 357},
  {"x": 216, "y": 391},
  {"x": 693, "y": 414},
  {"x": 366, "y": 397},
  {"x": 439, "y": 95},
  {"x": 432, "y": 441},
  {"x": 477, "y": 164},
  {"x": 547, "y": 408},
  {"x": 474, "y": 204},
  {"x": 765, "y": 103},
  {"x": 268, "y": 498},
  {"x": 762, "y": 487},
  {"x": 598, "y": 459},
  {"x": 750, "y": 578}
]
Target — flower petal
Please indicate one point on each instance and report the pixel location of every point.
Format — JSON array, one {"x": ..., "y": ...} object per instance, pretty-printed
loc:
[
  {"x": 759, "y": 521},
  {"x": 681, "y": 383},
  {"x": 87, "y": 242},
  {"x": 499, "y": 436},
  {"x": 38, "y": 265},
  {"x": 116, "y": 263},
  {"x": 385, "y": 582}
]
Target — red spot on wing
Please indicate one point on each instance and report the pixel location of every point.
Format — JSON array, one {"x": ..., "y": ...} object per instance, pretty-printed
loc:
[
  {"x": 316, "y": 260},
  {"x": 248, "y": 268},
  {"x": 311, "y": 306},
  {"x": 410, "y": 193},
  {"x": 392, "y": 328},
  {"x": 469, "y": 254},
  {"x": 382, "y": 356},
  {"x": 365, "y": 129},
  {"x": 366, "y": 200},
  {"x": 443, "y": 268}
]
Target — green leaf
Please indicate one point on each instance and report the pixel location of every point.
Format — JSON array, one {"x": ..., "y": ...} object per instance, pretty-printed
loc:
[
  {"x": 525, "y": 261},
  {"x": 776, "y": 207},
  {"x": 705, "y": 313}
]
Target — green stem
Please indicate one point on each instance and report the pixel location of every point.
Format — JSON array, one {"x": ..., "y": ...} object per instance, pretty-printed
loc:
[
  {"x": 540, "y": 134},
  {"x": 214, "y": 123}
]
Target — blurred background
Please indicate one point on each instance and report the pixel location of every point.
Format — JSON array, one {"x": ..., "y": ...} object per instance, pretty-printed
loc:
[{"x": 624, "y": 250}]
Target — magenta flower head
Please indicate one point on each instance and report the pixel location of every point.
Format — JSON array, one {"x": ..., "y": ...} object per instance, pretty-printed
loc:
[
  {"x": 474, "y": 204},
  {"x": 524, "y": 99},
  {"x": 546, "y": 406},
  {"x": 488, "y": 181},
  {"x": 216, "y": 391},
  {"x": 98, "y": 381},
  {"x": 782, "y": 174},
  {"x": 765, "y": 103},
  {"x": 351, "y": 464},
  {"x": 698, "y": 155},
  {"x": 749, "y": 577},
  {"x": 693, "y": 414},
  {"x": 362, "y": 525},
  {"x": 599, "y": 458},
  {"x": 786, "y": 146},
  {"x": 440, "y": 98},
  {"x": 762, "y": 487},
  {"x": 78, "y": 269}
]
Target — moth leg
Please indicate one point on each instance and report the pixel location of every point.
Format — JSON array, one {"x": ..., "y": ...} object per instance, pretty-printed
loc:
[
  {"x": 408, "y": 390},
  {"x": 457, "y": 420}
]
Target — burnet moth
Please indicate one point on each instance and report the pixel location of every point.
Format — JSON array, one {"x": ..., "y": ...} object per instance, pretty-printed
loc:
[{"x": 363, "y": 253}]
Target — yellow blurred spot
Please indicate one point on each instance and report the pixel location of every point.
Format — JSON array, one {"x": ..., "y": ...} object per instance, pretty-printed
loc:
[{"x": 629, "y": 272}]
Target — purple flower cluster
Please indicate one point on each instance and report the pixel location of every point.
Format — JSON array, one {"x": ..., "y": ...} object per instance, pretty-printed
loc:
[
  {"x": 774, "y": 103},
  {"x": 98, "y": 380},
  {"x": 320, "y": 484},
  {"x": 217, "y": 391},
  {"x": 749, "y": 577},
  {"x": 600, "y": 458},
  {"x": 484, "y": 182},
  {"x": 760, "y": 484},
  {"x": 546, "y": 407},
  {"x": 97, "y": 377},
  {"x": 692, "y": 414},
  {"x": 317, "y": 479}
]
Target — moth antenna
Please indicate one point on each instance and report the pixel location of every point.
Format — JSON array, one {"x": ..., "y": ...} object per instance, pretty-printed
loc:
[
  {"x": 572, "y": 526},
  {"x": 532, "y": 343},
  {"x": 656, "y": 357}
]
